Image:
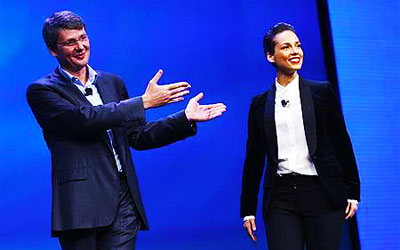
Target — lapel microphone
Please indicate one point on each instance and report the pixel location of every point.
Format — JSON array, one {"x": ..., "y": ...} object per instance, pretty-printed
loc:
[
  {"x": 285, "y": 103},
  {"x": 88, "y": 91}
]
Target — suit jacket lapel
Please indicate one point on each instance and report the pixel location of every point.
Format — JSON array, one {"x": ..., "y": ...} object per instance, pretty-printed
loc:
[
  {"x": 108, "y": 94},
  {"x": 106, "y": 91},
  {"x": 307, "y": 107},
  {"x": 72, "y": 92},
  {"x": 269, "y": 123},
  {"x": 76, "y": 95}
]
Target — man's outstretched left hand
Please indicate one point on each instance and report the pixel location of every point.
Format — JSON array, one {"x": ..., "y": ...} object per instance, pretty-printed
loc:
[{"x": 200, "y": 113}]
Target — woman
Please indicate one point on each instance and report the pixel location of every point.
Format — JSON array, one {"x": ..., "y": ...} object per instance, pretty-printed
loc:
[{"x": 311, "y": 183}]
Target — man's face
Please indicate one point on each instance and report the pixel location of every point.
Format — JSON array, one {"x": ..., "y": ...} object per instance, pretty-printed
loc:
[
  {"x": 72, "y": 49},
  {"x": 288, "y": 55}
]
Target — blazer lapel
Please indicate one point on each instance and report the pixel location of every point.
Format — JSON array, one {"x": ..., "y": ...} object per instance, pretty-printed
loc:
[
  {"x": 106, "y": 91},
  {"x": 108, "y": 94},
  {"x": 72, "y": 92},
  {"x": 269, "y": 124},
  {"x": 307, "y": 107}
]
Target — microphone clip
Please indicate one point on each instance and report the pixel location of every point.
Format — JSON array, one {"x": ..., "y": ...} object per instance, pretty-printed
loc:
[{"x": 88, "y": 91}]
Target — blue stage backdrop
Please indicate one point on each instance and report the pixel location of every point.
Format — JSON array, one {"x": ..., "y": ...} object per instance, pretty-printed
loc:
[
  {"x": 367, "y": 46},
  {"x": 191, "y": 189}
]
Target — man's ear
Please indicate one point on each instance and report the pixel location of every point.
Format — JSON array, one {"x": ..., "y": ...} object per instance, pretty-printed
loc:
[
  {"x": 52, "y": 52},
  {"x": 270, "y": 58}
]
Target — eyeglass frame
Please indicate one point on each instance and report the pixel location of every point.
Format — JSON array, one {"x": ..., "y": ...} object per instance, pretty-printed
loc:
[{"x": 74, "y": 42}]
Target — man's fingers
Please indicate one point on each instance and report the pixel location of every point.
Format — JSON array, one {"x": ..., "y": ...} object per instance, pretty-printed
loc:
[
  {"x": 212, "y": 106},
  {"x": 179, "y": 94},
  {"x": 213, "y": 115},
  {"x": 156, "y": 77},
  {"x": 215, "y": 110},
  {"x": 172, "y": 86},
  {"x": 220, "y": 109},
  {"x": 177, "y": 90},
  {"x": 198, "y": 97},
  {"x": 176, "y": 100}
]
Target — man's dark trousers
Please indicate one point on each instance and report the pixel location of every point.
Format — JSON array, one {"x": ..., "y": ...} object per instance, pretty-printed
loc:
[{"x": 121, "y": 234}]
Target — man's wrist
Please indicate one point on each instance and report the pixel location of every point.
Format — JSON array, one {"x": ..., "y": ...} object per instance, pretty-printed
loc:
[
  {"x": 187, "y": 116},
  {"x": 145, "y": 101}
]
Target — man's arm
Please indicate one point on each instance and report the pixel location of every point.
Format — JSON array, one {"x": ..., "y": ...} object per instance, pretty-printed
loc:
[
  {"x": 161, "y": 132},
  {"x": 174, "y": 127},
  {"x": 55, "y": 113}
]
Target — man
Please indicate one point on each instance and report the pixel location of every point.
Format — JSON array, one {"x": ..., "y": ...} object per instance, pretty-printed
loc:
[
  {"x": 311, "y": 182},
  {"x": 88, "y": 123}
]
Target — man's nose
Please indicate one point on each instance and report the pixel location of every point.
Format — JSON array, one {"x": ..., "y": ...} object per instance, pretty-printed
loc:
[{"x": 80, "y": 45}]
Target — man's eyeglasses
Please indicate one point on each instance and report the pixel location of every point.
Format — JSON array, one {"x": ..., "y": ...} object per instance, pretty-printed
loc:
[{"x": 74, "y": 42}]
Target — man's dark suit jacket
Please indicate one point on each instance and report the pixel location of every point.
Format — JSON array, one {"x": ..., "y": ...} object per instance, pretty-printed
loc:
[
  {"x": 85, "y": 180},
  {"x": 328, "y": 143}
]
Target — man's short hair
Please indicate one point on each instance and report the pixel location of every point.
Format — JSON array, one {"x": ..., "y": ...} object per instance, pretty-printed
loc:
[
  {"x": 56, "y": 22},
  {"x": 269, "y": 43}
]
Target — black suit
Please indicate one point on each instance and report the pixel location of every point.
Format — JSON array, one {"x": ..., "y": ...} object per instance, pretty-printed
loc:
[
  {"x": 85, "y": 180},
  {"x": 328, "y": 143}
]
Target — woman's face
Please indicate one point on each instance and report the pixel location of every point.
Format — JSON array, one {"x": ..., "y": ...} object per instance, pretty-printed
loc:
[{"x": 288, "y": 55}]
